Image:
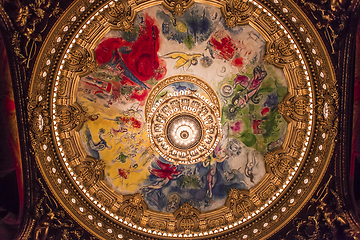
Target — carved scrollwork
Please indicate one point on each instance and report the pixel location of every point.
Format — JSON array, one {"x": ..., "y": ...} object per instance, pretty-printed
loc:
[
  {"x": 178, "y": 7},
  {"x": 283, "y": 166},
  {"x": 271, "y": 159},
  {"x": 268, "y": 191},
  {"x": 90, "y": 171},
  {"x": 31, "y": 19},
  {"x": 326, "y": 218},
  {"x": 236, "y": 12},
  {"x": 16, "y": 44},
  {"x": 133, "y": 208},
  {"x": 68, "y": 146},
  {"x": 40, "y": 121},
  {"x": 268, "y": 23},
  {"x": 280, "y": 51},
  {"x": 70, "y": 117},
  {"x": 187, "y": 218},
  {"x": 332, "y": 16},
  {"x": 294, "y": 108},
  {"x": 326, "y": 106},
  {"x": 92, "y": 29},
  {"x": 298, "y": 139},
  {"x": 213, "y": 223},
  {"x": 158, "y": 224},
  {"x": 239, "y": 203},
  {"x": 120, "y": 14},
  {"x": 80, "y": 60},
  {"x": 105, "y": 198},
  {"x": 63, "y": 86},
  {"x": 50, "y": 221}
]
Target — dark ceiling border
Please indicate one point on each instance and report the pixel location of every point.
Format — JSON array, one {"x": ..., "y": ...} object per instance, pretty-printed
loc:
[{"x": 341, "y": 48}]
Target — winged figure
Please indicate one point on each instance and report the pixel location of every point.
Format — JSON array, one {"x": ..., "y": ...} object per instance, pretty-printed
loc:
[
  {"x": 183, "y": 60},
  {"x": 166, "y": 173},
  {"x": 124, "y": 173}
]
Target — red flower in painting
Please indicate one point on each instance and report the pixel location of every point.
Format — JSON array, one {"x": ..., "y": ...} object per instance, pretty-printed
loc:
[
  {"x": 265, "y": 111},
  {"x": 237, "y": 127}
]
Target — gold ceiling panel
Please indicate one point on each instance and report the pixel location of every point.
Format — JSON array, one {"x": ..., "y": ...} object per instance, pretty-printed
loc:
[{"x": 79, "y": 166}]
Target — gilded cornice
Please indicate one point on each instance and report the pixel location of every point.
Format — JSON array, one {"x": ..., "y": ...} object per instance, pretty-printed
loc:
[{"x": 29, "y": 28}]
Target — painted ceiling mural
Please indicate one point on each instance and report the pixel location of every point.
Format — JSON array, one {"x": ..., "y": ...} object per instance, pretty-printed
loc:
[
  {"x": 197, "y": 43},
  {"x": 183, "y": 119}
]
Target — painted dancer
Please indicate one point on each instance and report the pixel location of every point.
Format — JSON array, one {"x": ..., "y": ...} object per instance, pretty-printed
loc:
[{"x": 124, "y": 173}]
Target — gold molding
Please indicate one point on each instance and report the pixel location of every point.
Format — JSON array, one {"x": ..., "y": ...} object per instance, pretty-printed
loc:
[{"x": 281, "y": 163}]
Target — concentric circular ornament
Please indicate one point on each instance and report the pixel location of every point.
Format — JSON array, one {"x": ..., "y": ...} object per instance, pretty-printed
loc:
[
  {"x": 183, "y": 119},
  {"x": 227, "y": 90},
  {"x": 184, "y": 131},
  {"x": 184, "y": 127}
]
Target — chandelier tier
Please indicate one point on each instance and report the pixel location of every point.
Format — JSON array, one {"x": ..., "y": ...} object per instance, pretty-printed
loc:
[{"x": 184, "y": 131}]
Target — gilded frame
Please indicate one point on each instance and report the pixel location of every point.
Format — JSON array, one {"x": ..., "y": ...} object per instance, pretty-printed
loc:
[{"x": 52, "y": 100}]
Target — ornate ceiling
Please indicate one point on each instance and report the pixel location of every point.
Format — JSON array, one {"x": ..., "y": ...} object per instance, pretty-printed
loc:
[{"x": 183, "y": 119}]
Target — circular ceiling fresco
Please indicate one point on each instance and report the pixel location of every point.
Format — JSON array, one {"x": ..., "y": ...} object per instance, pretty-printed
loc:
[{"x": 183, "y": 119}]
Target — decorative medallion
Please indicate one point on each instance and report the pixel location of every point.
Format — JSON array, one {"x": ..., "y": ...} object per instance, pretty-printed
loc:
[
  {"x": 182, "y": 119},
  {"x": 184, "y": 127}
]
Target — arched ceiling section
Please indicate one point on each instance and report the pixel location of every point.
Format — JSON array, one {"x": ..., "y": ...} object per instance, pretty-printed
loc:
[{"x": 168, "y": 119}]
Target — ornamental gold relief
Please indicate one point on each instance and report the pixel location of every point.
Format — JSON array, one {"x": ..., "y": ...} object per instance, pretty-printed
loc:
[
  {"x": 121, "y": 15},
  {"x": 237, "y": 12},
  {"x": 90, "y": 171},
  {"x": 70, "y": 117},
  {"x": 184, "y": 127},
  {"x": 80, "y": 60},
  {"x": 178, "y": 7},
  {"x": 91, "y": 140}
]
